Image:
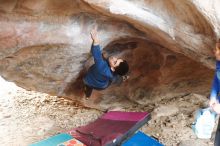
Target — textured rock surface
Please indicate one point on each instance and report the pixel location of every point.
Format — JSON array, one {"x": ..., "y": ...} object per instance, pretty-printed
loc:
[
  {"x": 44, "y": 46},
  {"x": 36, "y": 116}
]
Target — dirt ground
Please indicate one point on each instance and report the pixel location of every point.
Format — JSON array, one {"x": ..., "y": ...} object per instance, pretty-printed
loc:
[{"x": 27, "y": 117}]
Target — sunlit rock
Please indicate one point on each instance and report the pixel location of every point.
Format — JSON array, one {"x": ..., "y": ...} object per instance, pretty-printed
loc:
[{"x": 45, "y": 46}]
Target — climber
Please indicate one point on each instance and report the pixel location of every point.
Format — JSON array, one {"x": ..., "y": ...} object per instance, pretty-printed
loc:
[
  {"x": 105, "y": 70},
  {"x": 214, "y": 98}
]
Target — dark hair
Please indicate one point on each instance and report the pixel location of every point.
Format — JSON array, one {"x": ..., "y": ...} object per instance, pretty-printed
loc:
[{"x": 122, "y": 69}]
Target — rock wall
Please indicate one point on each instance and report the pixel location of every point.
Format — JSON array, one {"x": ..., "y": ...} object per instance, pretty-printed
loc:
[{"x": 45, "y": 45}]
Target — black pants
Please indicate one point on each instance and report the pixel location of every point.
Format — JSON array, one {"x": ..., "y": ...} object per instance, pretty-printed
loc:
[
  {"x": 217, "y": 135},
  {"x": 88, "y": 90}
]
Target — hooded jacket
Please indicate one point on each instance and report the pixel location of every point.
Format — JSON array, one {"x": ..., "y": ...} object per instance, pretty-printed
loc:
[
  {"x": 216, "y": 83},
  {"x": 99, "y": 74}
]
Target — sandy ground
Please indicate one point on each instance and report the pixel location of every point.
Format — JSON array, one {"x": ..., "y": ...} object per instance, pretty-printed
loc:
[{"x": 28, "y": 116}]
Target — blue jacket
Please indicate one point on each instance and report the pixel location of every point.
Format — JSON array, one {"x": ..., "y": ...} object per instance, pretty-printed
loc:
[
  {"x": 216, "y": 83},
  {"x": 99, "y": 74}
]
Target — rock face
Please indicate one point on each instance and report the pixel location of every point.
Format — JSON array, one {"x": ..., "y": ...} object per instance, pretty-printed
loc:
[{"x": 45, "y": 46}]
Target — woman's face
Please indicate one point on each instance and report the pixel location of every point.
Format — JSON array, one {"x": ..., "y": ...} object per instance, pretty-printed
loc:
[
  {"x": 114, "y": 62},
  {"x": 217, "y": 52}
]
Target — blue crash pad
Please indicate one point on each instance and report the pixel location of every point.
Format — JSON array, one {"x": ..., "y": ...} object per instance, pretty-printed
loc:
[{"x": 141, "y": 139}]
